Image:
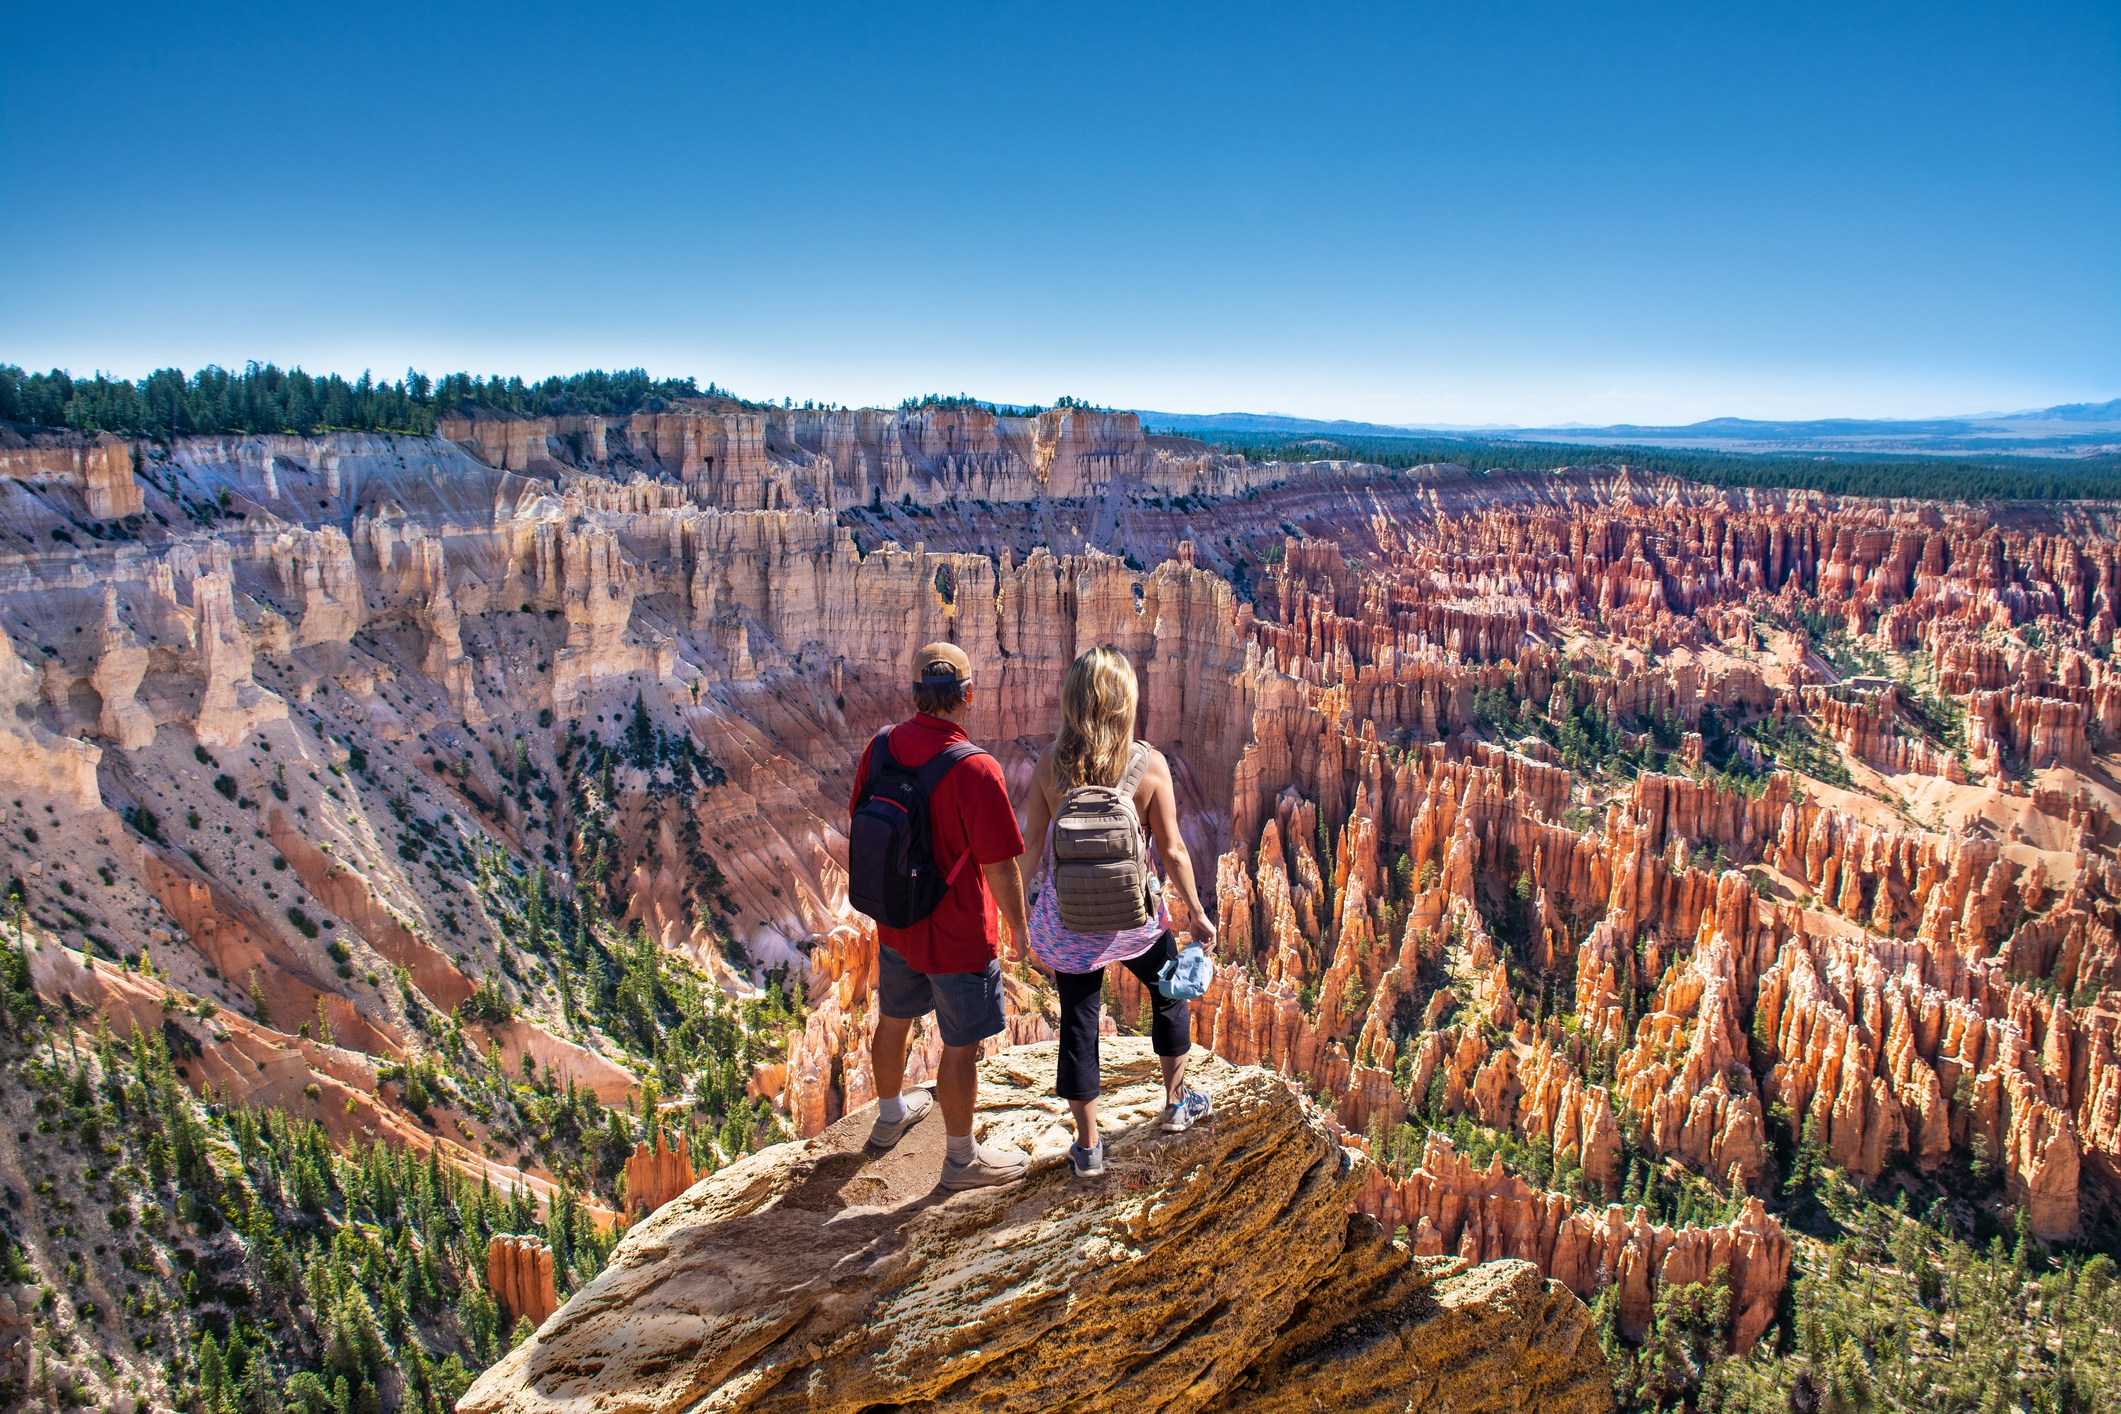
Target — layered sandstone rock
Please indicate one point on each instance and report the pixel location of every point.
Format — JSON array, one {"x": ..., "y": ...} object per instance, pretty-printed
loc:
[
  {"x": 813, "y": 1267},
  {"x": 740, "y": 458},
  {"x": 2040, "y": 731},
  {"x": 100, "y": 467},
  {"x": 597, "y": 597},
  {"x": 516, "y": 443},
  {"x": 336, "y": 1087},
  {"x": 1577, "y": 1118},
  {"x": 107, "y": 483},
  {"x": 352, "y": 895},
  {"x": 1866, "y": 726}
]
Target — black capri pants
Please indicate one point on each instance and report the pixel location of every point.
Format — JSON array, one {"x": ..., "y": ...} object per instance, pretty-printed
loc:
[{"x": 1081, "y": 994}]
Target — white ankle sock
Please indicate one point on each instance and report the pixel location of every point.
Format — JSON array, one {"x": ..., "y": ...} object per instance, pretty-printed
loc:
[
  {"x": 962, "y": 1148},
  {"x": 891, "y": 1109}
]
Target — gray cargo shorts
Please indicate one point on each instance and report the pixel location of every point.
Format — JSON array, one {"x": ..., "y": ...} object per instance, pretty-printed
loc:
[{"x": 967, "y": 1005}]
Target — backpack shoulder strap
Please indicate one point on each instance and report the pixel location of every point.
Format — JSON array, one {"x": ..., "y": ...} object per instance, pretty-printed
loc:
[
  {"x": 938, "y": 766},
  {"x": 879, "y": 757},
  {"x": 1137, "y": 766},
  {"x": 930, "y": 774}
]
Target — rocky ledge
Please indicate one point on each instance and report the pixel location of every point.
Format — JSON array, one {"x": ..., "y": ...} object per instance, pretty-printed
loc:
[{"x": 1216, "y": 1270}]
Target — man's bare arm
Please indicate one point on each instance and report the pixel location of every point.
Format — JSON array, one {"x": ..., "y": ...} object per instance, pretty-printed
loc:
[{"x": 1008, "y": 889}]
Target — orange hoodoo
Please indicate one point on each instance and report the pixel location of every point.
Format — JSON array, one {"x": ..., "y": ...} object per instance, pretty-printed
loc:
[
  {"x": 519, "y": 1274},
  {"x": 655, "y": 1176}
]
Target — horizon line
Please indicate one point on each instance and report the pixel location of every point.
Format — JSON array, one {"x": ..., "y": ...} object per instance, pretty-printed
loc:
[{"x": 789, "y": 403}]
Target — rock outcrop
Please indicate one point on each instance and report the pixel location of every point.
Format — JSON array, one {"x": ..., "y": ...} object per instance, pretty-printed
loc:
[
  {"x": 655, "y": 1175},
  {"x": 519, "y": 1275},
  {"x": 99, "y": 467},
  {"x": 812, "y": 1276},
  {"x": 515, "y": 443},
  {"x": 120, "y": 665},
  {"x": 316, "y": 570},
  {"x": 32, "y": 756},
  {"x": 229, "y": 703}
]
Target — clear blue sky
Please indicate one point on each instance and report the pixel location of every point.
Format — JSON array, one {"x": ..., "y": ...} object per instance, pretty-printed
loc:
[{"x": 1463, "y": 213}]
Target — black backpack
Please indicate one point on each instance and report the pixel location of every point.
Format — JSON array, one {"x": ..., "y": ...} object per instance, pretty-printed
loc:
[{"x": 891, "y": 870}]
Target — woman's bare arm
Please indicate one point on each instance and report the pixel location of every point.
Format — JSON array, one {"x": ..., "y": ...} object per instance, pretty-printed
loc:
[
  {"x": 1038, "y": 818},
  {"x": 1171, "y": 847}
]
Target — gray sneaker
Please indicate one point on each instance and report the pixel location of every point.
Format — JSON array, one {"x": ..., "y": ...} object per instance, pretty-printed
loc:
[
  {"x": 1191, "y": 1109},
  {"x": 918, "y": 1103},
  {"x": 989, "y": 1168},
  {"x": 1088, "y": 1163}
]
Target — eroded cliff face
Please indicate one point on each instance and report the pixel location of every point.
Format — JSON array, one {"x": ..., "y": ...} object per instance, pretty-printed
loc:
[
  {"x": 1548, "y": 809},
  {"x": 746, "y": 459},
  {"x": 98, "y": 469},
  {"x": 812, "y": 1277}
]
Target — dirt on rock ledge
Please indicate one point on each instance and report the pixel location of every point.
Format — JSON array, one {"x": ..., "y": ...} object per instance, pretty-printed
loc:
[{"x": 1216, "y": 1270}]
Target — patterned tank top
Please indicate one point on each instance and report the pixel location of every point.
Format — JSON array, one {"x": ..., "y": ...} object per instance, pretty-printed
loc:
[{"x": 1066, "y": 951}]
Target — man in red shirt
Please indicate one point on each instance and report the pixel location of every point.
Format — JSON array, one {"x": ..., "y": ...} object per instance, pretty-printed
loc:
[{"x": 949, "y": 962}]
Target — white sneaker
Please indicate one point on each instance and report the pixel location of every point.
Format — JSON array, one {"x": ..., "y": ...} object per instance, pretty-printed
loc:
[
  {"x": 989, "y": 1168},
  {"x": 883, "y": 1134}
]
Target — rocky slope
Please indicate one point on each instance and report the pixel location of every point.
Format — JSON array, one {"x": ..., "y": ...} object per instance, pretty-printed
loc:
[
  {"x": 1217, "y": 1270},
  {"x": 1659, "y": 843}
]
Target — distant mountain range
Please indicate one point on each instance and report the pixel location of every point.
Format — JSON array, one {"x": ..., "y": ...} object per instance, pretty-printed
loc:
[
  {"x": 2108, "y": 411},
  {"x": 2067, "y": 430},
  {"x": 1272, "y": 424}
]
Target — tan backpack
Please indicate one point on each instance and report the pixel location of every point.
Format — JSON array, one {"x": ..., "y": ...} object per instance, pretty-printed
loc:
[{"x": 1101, "y": 880}]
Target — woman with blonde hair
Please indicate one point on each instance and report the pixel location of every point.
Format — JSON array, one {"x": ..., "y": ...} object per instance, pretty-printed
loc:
[{"x": 1096, "y": 747}]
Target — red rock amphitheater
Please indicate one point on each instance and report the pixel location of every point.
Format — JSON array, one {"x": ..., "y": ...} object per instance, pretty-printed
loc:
[{"x": 1673, "y": 835}]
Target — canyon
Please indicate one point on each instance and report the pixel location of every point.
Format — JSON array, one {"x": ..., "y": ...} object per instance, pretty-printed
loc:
[{"x": 1574, "y": 838}]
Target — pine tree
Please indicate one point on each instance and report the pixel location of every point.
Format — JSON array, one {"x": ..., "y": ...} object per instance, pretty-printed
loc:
[
  {"x": 355, "y": 1347},
  {"x": 259, "y": 1394},
  {"x": 213, "y": 1371},
  {"x": 534, "y": 909}
]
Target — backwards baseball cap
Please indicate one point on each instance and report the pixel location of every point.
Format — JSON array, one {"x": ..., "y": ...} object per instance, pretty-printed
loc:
[{"x": 942, "y": 665}]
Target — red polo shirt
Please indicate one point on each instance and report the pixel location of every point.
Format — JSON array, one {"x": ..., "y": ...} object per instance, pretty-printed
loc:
[{"x": 969, "y": 812}]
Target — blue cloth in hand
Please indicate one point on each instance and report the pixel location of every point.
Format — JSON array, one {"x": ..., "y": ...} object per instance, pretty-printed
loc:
[{"x": 1187, "y": 976}]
